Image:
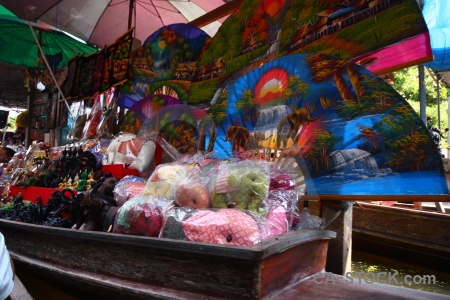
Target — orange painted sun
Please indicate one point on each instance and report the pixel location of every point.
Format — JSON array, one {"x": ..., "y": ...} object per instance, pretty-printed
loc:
[
  {"x": 270, "y": 86},
  {"x": 272, "y": 7}
]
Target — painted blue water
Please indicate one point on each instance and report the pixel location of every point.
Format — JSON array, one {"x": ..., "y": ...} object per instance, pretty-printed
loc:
[{"x": 389, "y": 183}]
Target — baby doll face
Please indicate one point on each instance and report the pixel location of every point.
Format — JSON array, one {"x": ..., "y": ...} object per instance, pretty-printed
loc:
[{"x": 3, "y": 156}]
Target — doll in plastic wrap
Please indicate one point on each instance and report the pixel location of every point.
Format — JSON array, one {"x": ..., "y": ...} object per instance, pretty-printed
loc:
[{"x": 6, "y": 154}]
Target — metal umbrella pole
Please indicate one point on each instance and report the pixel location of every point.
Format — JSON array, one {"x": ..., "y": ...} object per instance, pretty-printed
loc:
[{"x": 50, "y": 69}]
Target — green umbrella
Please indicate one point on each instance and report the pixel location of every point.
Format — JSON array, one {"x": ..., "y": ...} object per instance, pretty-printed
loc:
[{"x": 18, "y": 44}]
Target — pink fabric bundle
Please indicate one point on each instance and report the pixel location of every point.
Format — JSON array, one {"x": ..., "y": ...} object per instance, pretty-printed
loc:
[{"x": 225, "y": 226}]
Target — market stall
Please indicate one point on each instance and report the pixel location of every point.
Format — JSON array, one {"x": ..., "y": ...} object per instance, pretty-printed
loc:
[{"x": 221, "y": 138}]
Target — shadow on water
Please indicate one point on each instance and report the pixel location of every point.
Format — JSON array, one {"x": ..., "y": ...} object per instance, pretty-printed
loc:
[{"x": 418, "y": 277}]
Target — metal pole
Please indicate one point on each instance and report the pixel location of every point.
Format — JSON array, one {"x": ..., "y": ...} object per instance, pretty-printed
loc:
[
  {"x": 448, "y": 132},
  {"x": 30, "y": 99},
  {"x": 438, "y": 99},
  {"x": 49, "y": 68},
  {"x": 130, "y": 13},
  {"x": 422, "y": 94},
  {"x": 130, "y": 19},
  {"x": 4, "y": 130}
]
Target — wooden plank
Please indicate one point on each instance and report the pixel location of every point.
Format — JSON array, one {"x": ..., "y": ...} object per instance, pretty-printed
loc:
[
  {"x": 19, "y": 291},
  {"x": 415, "y": 225}
]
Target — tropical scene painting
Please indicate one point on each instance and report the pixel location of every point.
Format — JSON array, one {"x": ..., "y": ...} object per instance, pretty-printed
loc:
[
  {"x": 354, "y": 132},
  {"x": 165, "y": 63},
  {"x": 275, "y": 76},
  {"x": 263, "y": 30}
]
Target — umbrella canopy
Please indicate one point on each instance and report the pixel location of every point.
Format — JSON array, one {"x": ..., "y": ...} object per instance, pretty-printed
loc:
[
  {"x": 437, "y": 16},
  {"x": 100, "y": 22},
  {"x": 18, "y": 45}
]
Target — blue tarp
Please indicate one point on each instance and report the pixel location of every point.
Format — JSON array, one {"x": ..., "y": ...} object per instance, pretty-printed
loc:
[{"x": 437, "y": 16}]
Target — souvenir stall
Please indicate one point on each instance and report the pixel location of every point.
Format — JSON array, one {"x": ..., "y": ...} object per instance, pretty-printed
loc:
[{"x": 221, "y": 138}]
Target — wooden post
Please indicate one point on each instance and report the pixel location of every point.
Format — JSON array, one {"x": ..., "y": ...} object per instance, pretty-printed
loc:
[{"x": 339, "y": 256}]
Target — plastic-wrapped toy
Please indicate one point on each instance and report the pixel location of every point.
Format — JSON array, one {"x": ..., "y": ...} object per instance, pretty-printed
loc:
[
  {"x": 242, "y": 185},
  {"x": 173, "y": 217},
  {"x": 192, "y": 194},
  {"x": 108, "y": 123},
  {"x": 308, "y": 221},
  {"x": 288, "y": 200},
  {"x": 280, "y": 180},
  {"x": 141, "y": 215},
  {"x": 80, "y": 120},
  {"x": 134, "y": 152},
  {"x": 276, "y": 223},
  {"x": 128, "y": 187},
  {"x": 92, "y": 121},
  {"x": 137, "y": 152},
  {"x": 163, "y": 177},
  {"x": 114, "y": 146},
  {"x": 192, "y": 190},
  {"x": 224, "y": 226}
]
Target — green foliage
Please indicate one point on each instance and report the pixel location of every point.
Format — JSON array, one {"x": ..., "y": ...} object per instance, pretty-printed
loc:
[
  {"x": 247, "y": 107},
  {"x": 203, "y": 91},
  {"x": 218, "y": 112},
  {"x": 127, "y": 87},
  {"x": 407, "y": 85},
  {"x": 324, "y": 140}
]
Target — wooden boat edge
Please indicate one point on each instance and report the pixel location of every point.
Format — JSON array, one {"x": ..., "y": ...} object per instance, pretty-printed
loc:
[
  {"x": 257, "y": 270},
  {"x": 80, "y": 280},
  {"x": 258, "y": 251},
  {"x": 424, "y": 238}
]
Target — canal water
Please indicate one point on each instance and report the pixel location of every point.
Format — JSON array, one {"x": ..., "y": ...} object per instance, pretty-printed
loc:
[
  {"x": 366, "y": 266},
  {"x": 363, "y": 264}
]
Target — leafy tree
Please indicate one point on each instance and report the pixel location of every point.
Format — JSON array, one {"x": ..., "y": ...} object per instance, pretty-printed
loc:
[
  {"x": 296, "y": 89},
  {"x": 324, "y": 68},
  {"x": 406, "y": 83},
  {"x": 215, "y": 119},
  {"x": 255, "y": 33},
  {"x": 169, "y": 36},
  {"x": 406, "y": 138},
  {"x": 323, "y": 142},
  {"x": 371, "y": 135},
  {"x": 248, "y": 109}
]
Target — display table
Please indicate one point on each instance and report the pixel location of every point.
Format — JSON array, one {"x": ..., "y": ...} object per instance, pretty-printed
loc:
[
  {"x": 32, "y": 192},
  {"x": 119, "y": 171}
]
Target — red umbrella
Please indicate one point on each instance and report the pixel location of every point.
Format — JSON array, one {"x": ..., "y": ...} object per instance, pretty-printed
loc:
[{"x": 100, "y": 22}]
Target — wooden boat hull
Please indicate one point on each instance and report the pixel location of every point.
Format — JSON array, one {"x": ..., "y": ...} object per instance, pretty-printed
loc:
[
  {"x": 413, "y": 235},
  {"x": 115, "y": 266}
]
